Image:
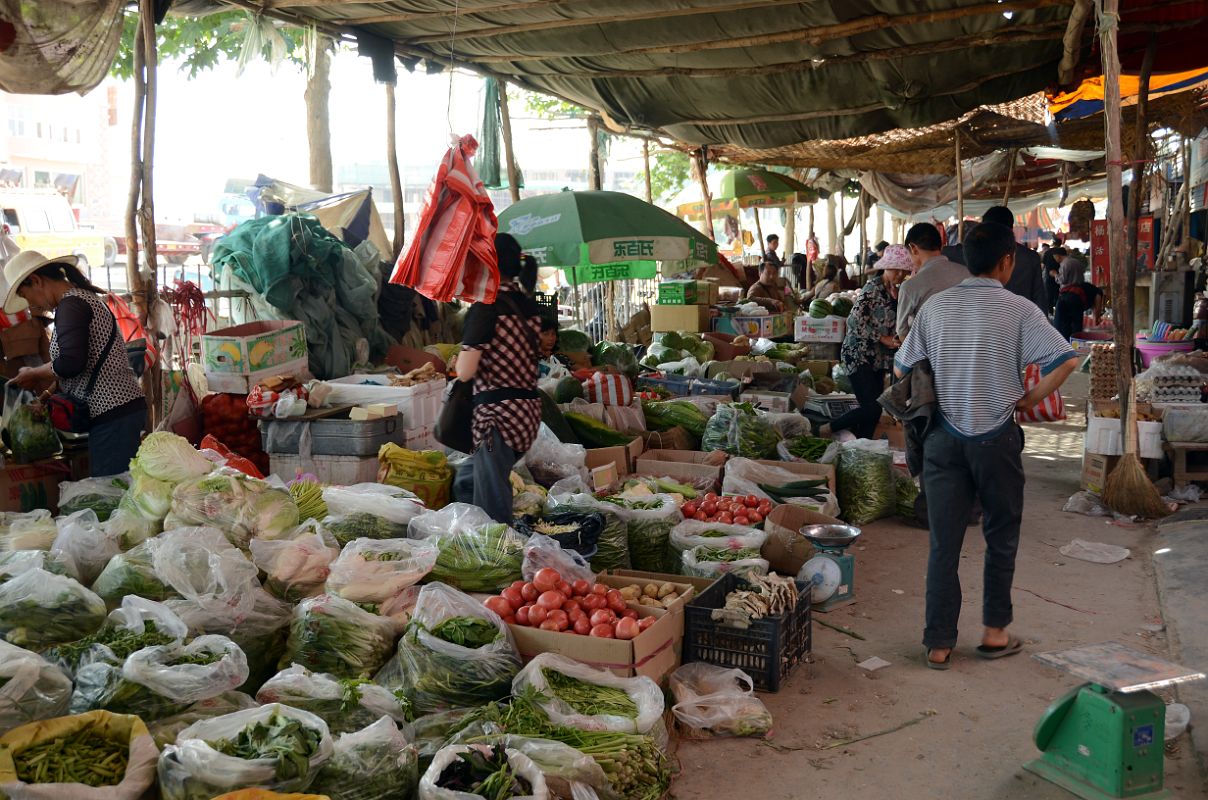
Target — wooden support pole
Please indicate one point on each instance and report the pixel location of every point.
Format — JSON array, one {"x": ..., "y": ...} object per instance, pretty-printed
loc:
[
  {"x": 134, "y": 279},
  {"x": 595, "y": 178},
  {"x": 763, "y": 251},
  {"x": 646, "y": 169},
  {"x": 833, "y": 246},
  {"x": 396, "y": 179},
  {"x": 862, "y": 209},
  {"x": 1136, "y": 189},
  {"x": 701, "y": 159},
  {"x": 790, "y": 232},
  {"x": 960, "y": 187},
  {"x": 509, "y": 154},
  {"x": 144, "y": 291},
  {"x": 1012, "y": 154}
]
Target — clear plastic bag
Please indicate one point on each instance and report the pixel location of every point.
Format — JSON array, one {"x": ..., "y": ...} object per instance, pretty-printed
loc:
[
  {"x": 737, "y": 429},
  {"x": 708, "y": 562},
  {"x": 484, "y": 559},
  {"x": 242, "y": 507},
  {"x": 31, "y": 688},
  {"x": 1185, "y": 425},
  {"x": 14, "y": 563},
  {"x": 568, "y": 772},
  {"x": 521, "y": 765},
  {"x": 549, "y": 460},
  {"x": 714, "y": 701},
  {"x": 369, "y": 511},
  {"x": 374, "y": 763},
  {"x": 137, "y": 617},
  {"x": 714, "y": 535},
  {"x": 864, "y": 478},
  {"x": 742, "y": 477},
  {"x": 132, "y": 573},
  {"x": 193, "y": 769},
  {"x": 331, "y": 634},
  {"x": 28, "y": 530},
  {"x": 542, "y": 551},
  {"x": 453, "y": 518},
  {"x": 39, "y": 609},
  {"x": 84, "y": 541},
  {"x": 649, "y": 531},
  {"x": 612, "y": 549},
  {"x": 906, "y": 492},
  {"x": 202, "y": 566},
  {"x": 160, "y": 681},
  {"x": 645, "y": 694},
  {"x": 27, "y": 428},
  {"x": 345, "y": 704},
  {"x": 379, "y": 572},
  {"x": 102, "y": 495},
  {"x": 296, "y": 568},
  {"x": 435, "y": 674},
  {"x": 165, "y": 730},
  {"x": 141, "y": 511}
]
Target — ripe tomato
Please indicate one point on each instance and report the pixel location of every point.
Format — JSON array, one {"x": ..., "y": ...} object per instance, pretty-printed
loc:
[
  {"x": 582, "y": 626},
  {"x": 537, "y": 615},
  {"x": 513, "y": 596},
  {"x": 710, "y": 496},
  {"x": 689, "y": 509},
  {"x": 755, "y": 517},
  {"x": 529, "y": 592},
  {"x": 549, "y": 625},
  {"x": 499, "y": 605},
  {"x": 700, "y": 515},
  {"x": 522, "y": 615},
  {"x": 751, "y": 501},
  {"x": 709, "y": 507},
  {"x": 726, "y": 518},
  {"x": 551, "y": 600},
  {"x": 603, "y": 632},
  {"x": 599, "y": 588},
  {"x": 742, "y": 519},
  {"x": 580, "y": 587},
  {"x": 565, "y": 588},
  {"x": 603, "y": 616},
  {"x": 546, "y": 579}
]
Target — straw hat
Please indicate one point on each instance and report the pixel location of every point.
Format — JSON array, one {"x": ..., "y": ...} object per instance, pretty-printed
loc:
[
  {"x": 896, "y": 256},
  {"x": 20, "y": 267}
]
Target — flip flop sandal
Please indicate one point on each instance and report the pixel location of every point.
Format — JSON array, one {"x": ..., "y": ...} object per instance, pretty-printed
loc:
[
  {"x": 1012, "y": 647},
  {"x": 941, "y": 665}
]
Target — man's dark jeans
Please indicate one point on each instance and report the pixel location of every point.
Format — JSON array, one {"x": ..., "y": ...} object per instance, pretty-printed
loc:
[
  {"x": 955, "y": 473},
  {"x": 867, "y": 384}
]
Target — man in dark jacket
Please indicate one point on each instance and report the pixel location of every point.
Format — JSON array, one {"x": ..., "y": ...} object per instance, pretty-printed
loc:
[{"x": 1027, "y": 280}]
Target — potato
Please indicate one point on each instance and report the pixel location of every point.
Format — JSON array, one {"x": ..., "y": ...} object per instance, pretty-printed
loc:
[
  {"x": 671, "y": 598},
  {"x": 665, "y": 590},
  {"x": 631, "y": 592},
  {"x": 651, "y": 589},
  {"x": 652, "y": 602}
]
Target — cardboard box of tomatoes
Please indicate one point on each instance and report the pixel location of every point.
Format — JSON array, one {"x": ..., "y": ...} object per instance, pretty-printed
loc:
[
  {"x": 591, "y": 623},
  {"x": 729, "y": 510}
]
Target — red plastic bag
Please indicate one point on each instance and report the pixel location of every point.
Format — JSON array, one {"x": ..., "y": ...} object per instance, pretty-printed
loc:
[
  {"x": 229, "y": 457},
  {"x": 1051, "y": 409},
  {"x": 452, "y": 254}
]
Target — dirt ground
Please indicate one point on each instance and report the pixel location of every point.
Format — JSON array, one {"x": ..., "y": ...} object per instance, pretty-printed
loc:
[{"x": 973, "y": 724}]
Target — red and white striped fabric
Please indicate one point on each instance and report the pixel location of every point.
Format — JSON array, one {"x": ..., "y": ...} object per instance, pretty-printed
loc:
[
  {"x": 9, "y": 320},
  {"x": 1051, "y": 409},
  {"x": 608, "y": 388},
  {"x": 452, "y": 254}
]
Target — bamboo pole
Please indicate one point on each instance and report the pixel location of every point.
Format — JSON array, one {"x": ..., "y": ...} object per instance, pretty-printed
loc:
[
  {"x": 1012, "y": 154},
  {"x": 861, "y": 205},
  {"x": 646, "y": 169},
  {"x": 701, "y": 159},
  {"x": 509, "y": 155},
  {"x": 396, "y": 179},
  {"x": 790, "y": 232},
  {"x": 594, "y": 178},
  {"x": 833, "y": 246},
  {"x": 880, "y": 228},
  {"x": 1185, "y": 147},
  {"x": 960, "y": 186},
  {"x": 152, "y": 379},
  {"x": 134, "y": 281},
  {"x": 763, "y": 251},
  {"x": 1136, "y": 192}
]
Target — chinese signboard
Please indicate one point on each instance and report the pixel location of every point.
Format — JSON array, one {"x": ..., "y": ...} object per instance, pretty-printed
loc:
[
  {"x": 595, "y": 273},
  {"x": 1101, "y": 255}
]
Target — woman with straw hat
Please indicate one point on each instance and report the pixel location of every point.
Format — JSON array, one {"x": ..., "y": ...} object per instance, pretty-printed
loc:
[{"x": 88, "y": 355}]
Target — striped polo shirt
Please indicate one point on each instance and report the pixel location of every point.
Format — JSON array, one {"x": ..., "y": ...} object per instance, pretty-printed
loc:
[{"x": 979, "y": 338}]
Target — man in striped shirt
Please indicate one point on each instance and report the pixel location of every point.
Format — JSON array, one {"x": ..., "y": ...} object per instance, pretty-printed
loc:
[{"x": 979, "y": 337}]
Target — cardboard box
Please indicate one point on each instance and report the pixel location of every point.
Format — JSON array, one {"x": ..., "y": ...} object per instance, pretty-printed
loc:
[
  {"x": 745, "y": 371},
  {"x": 692, "y": 319},
  {"x": 254, "y": 349},
  {"x": 651, "y": 654},
  {"x": 24, "y": 487},
  {"x": 680, "y": 465},
  {"x": 679, "y": 293},
  {"x": 891, "y": 429},
  {"x": 623, "y": 456},
  {"x": 1103, "y": 434},
  {"x": 785, "y": 549},
  {"x": 777, "y": 402},
  {"x": 806, "y": 470},
  {"x": 769, "y": 326},
  {"x": 1095, "y": 469},
  {"x": 618, "y": 579},
  {"x": 22, "y": 339},
  {"x": 826, "y": 329}
]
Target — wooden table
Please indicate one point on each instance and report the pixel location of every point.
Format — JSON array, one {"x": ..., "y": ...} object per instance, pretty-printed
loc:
[{"x": 1178, "y": 456}]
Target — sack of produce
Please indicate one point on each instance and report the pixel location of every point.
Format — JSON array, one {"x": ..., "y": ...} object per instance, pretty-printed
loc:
[
  {"x": 483, "y": 559},
  {"x": 425, "y": 474},
  {"x": 738, "y": 429},
  {"x": 802, "y": 448},
  {"x": 739, "y": 541},
  {"x": 648, "y": 524},
  {"x": 159, "y": 681},
  {"x": 31, "y": 688},
  {"x": 93, "y": 756},
  {"x": 39, "y": 609},
  {"x": 297, "y": 567},
  {"x": 469, "y": 772},
  {"x": 162, "y": 461},
  {"x": 541, "y": 552},
  {"x": 549, "y": 460},
  {"x": 453, "y": 518},
  {"x": 714, "y": 701},
  {"x": 28, "y": 530},
  {"x": 265, "y": 794},
  {"x": 28, "y": 431},
  {"x": 744, "y": 477},
  {"x": 369, "y": 511},
  {"x": 568, "y": 772},
  {"x": 662, "y": 415},
  {"x": 137, "y": 624},
  {"x": 574, "y": 695},
  {"x": 346, "y": 704},
  {"x": 86, "y": 543},
  {"x": 374, "y": 763},
  {"x": 272, "y": 747},
  {"x": 99, "y": 494},
  {"x": 616, "y": 355},
  {"x": 906, "y": 492},
  {"x": 240, "y": 506},
  {"x": 612, "y": 548},
  {"x": 14, "y": 563},
  {"x": 165, "y": 730},
  {"x": 455, "y": 653},
  {"x": 864, "y": 479},
  {"x": 704, "y": 561},
  {"x": 376, "y": 574},
  {"x": 201, "y": 565},
  {"x": 132, "y": 573},
  {"x": 331, "y": 634}
]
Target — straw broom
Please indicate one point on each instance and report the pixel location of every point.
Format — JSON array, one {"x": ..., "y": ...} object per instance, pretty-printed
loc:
[{"x": 1128, "y": 489}]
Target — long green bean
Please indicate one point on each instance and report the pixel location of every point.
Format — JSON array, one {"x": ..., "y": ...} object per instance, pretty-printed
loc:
[{"x": 82, "y": 757}]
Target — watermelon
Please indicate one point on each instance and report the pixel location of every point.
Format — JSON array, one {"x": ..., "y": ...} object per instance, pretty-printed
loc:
[
  {"x": 841, "y": 307},
  {"x": 820, "y": 309}
]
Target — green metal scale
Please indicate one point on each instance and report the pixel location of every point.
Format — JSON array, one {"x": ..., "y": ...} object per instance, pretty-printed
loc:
[
  {"x": 832, "y": 571},
  {"x": 1104, "y": 739}
]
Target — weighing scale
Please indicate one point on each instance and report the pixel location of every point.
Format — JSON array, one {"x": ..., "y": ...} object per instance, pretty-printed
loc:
[
  {"x": 832, "y": 571},
  {"x": 830, "y": 406},
  {"x": 1104, "y": 739}
]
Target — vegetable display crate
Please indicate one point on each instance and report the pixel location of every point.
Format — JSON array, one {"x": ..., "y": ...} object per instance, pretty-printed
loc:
[
  {"x": 725, "y": 388},
  {"x": 768, "y": 326},
  {"x": 331, "y": 470},
  {"x": 331, "y": 437},
  {"x": 767, "y": 651},
  {"x": 677, "y": 385}
]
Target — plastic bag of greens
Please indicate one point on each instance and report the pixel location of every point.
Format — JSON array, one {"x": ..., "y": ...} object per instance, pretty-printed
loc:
[
  {"x": 31, "y": 688},
  {"x": 483, "y": 559},
  {"x": 137, "y": 624},
  {"x": 28, "y": 431},
  {"x": 468, "y": 765},
  {"x": 331, "y": 634},
  {"x": 737, "y": 429},
  {"x": 28, "y": 530},
  {"x": 648, "y": 524},
  {"x": 453, "y": 518},
  {"x": 550, "y": 460},
  {"x": 542, "y": 551},
  {"x": 242, "y": 507},
  {"x": 455, "y": 653},
  {"x": 86, "y": 543},
  {"x": 347, "y": 704},
  {"x": 577, "y": 531},
  {"x": 374, "y": 763},
  {"x": 298, "y": 567},
  {"x": 378, "y": 573},
  {"x": 714, "y": 701},
  {"x": 574, "y": 695},
  {"x": 742, "y": 541},
  {"x": 906, "y": 492},
  {"x": 18, "y": 561},
  {"x": 743, "y": 477},
  {"x": 165, "y": 730},
  {"x": 660, "y": 354},
  {"x": 612, "y": 548},
  {"x": 568, "y": 772},
  {"x": 274, "y": 747},
  {"x": 865, "y": 482},
  {"x": 369, "y": 511},
  {"x": 713, "y": 562},
  {"x": 159, "y": 681},
  {"x": 39, "y": 609},
  {"x": 132, "y": 573},
  {"x": 102, "y": 495},
  {"x": 201, "y": 565},
  {"x": 93, "y": 756}
]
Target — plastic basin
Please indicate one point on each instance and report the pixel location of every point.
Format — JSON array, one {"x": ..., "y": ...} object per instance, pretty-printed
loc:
[{"x": 1151, "y": 350}]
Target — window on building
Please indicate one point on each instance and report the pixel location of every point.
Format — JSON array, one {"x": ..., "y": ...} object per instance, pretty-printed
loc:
[
  {"x": 16, "y": 120},
  {"x": 42, "y": 180},
  {"x": 39, "y": 130}
]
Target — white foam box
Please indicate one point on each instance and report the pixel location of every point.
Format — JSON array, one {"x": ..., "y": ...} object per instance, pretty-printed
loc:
[
  {"x": 332, "y": 470},
  {"x": 827, "y": 329},
  {"x": 776, "y": 402},
  {"x": 1103, "y": 434},
  {"x": 420, "y": 438}
]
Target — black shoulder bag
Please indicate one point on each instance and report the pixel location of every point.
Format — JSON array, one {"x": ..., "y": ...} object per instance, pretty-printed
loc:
[{"x": 71, "y": 413}]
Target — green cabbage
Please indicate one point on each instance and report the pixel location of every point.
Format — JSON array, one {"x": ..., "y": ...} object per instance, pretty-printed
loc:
[
  {"x": 618, "y": 356},
  {"x": 698, "y": 348},
  {"x": 242, "y": 507},
  {"x": 168, "y": 457},
  {"x": 669, "y": 339}
]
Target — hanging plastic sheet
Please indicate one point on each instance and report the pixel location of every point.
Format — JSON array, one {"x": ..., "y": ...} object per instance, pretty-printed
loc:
[{"x": 57, "y": 46}]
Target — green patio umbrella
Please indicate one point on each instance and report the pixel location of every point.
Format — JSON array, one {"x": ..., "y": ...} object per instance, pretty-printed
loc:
[
  {"x": 761, "y": 188},
  {"x": 604, "y": 236}
]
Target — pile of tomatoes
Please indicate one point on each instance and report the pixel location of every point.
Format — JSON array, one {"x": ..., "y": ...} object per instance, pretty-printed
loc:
[
  {"x": 551, "y": 603},
  {"x": 730, "y": 510}
]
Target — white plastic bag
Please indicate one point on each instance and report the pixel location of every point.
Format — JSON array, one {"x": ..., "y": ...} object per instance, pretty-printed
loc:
[
  {"x": 29, "y": 530},
  {"x": 380, "y": 571},
  {"x": 102, "y": 495},
  {"x": 649, "y": 531},
  {"x": 39, "y": 609},
  {"x": 646, "y": 695},
  {"x": 703, "y": 562},
  {"x": 452, "y": 519},
  {"x": 242, "y": 507},
  {"x": 373, "y": 763},
  {"x": 714, "y": 701},
  {"x": 549, "y": 460},
  {"x": 192, "y": 768},
  {"x": 86, "y": 543},
  {"x": 542, "y": 551},
  {"x": 331, "y": 634},
  {"x": 742, "y": 476},
  {"x": 694, "y": 533},
  {"x": 369, "y": 510},
  {"x": 14, "y": 563},
  {"x": 167, "y": 729},
  {"x": 346, "y": 705},
  {"x": 136, "y": 615},
  {"x": 31, "y": 688},
  {"x": 296, "y": 568},
  {"x": 521, "y": 764},
  {"x": 201, "y": 565}
]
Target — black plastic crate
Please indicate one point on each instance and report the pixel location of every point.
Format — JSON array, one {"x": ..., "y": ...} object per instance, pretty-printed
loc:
[{"x": 767, "y": 651}]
